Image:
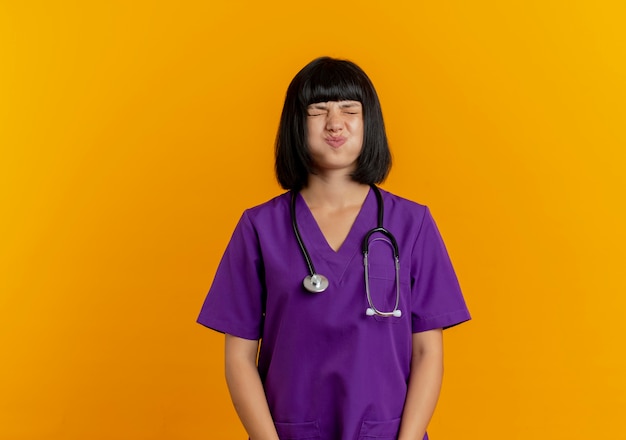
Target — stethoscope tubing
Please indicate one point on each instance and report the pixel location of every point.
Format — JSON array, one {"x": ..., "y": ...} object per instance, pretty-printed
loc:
[
  {"x": 316, "y": 283},
  {"x": 296, "y": 231}
]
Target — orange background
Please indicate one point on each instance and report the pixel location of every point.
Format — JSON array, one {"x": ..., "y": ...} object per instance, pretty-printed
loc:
[{"x": 133, "y": 134}]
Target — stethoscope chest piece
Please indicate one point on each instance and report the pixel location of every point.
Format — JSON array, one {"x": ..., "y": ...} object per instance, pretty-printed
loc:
[{"x": 315, "y": 283}]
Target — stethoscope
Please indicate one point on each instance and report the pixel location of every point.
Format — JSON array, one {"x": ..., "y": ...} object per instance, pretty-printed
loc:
[{"x": 316, "y": 283}]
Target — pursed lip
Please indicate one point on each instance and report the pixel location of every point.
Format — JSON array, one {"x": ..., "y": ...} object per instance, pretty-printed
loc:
[{"x": 336, "y": 141}]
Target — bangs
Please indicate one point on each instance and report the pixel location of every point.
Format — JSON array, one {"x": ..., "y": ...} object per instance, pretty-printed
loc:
[{"x": 331, "y": 82}]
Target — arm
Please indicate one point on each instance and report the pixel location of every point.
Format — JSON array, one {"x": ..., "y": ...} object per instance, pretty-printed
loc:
[
  {"x": 424, "y": 384},
  {"x": 246, "y": 389}
]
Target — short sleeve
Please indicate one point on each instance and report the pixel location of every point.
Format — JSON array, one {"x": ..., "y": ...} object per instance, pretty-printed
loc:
[
  {"x": 436, "y": 295},
  {"x": 234, "y": 304}
]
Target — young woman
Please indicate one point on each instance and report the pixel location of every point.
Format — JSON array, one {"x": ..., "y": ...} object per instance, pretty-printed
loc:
[{"x": 346, "y": 287}]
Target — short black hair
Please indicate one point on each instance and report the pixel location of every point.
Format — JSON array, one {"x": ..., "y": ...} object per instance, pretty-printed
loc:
[{"x": 329, "y": 79}]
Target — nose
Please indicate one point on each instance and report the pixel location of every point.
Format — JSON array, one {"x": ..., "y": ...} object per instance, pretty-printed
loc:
[{"x": 334, "y": 122}]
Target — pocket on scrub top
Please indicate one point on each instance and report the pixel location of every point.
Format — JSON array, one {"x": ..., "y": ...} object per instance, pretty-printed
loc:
[
  {"x": 382, "y": 285},
  {"x": 382, "y": 271},
  {"x": 387, "y": 430},
  {"x": 298, "y": 431}
]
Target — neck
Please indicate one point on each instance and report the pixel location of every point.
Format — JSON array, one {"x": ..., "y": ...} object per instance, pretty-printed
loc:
[{"x": 333, "y": 192}]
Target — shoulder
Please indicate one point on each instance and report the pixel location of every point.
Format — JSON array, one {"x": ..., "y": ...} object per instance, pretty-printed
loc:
[
  {"x": 411, "y": 218},
  {"x": 398, "y": 205},
  {"x": 263, "y": 219},
  {"x": 270, "y": 210}
]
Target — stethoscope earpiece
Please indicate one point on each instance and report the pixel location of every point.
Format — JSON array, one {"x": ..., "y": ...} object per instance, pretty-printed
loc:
[{"x": 396, "y": 313}]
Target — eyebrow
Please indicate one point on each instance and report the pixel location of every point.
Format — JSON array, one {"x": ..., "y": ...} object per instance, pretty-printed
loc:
[{"x": 344, "y": 104}]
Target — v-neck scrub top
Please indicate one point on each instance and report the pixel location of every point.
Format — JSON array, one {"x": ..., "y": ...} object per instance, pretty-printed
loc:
[{"x": 330, "y": 371}]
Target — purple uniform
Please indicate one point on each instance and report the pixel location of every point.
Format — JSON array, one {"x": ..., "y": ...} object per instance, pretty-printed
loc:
[{"x": 330, "y": 371}]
